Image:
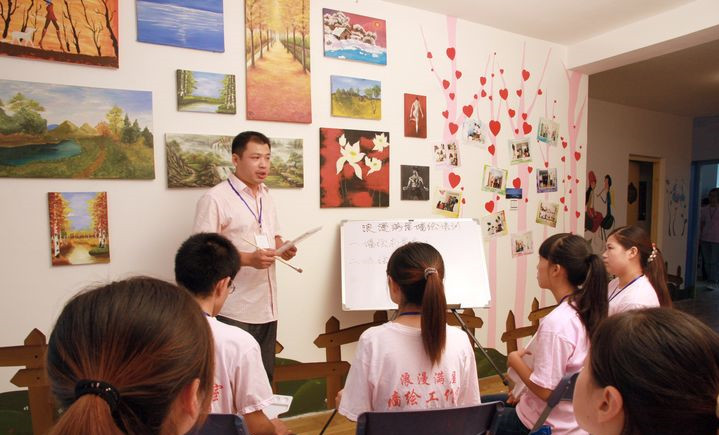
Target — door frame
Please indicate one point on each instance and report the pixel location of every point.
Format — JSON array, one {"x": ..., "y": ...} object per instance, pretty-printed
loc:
[
  {"x": 690, "y": 268},
  {"x": 657, "y": 194}
]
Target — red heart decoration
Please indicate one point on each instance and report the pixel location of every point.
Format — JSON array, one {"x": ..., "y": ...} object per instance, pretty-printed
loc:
[
  {"x": 491, "y": 149},
  {"x": 501, "y": 70},
  {"x": 468, "y": 109},
  {"x": 445, "y": 83},
  {"x": 519, "y": 92},
  {"x": 504, "y": 93},
  {"x": 526, "y": 199},
  {"x": 527, "y": 128},
  {"x": 578, "y": 214},
  {"x": 451, "y": 95},
  {"x": 577, "y": 180},
  {"x": 458, "y": 73},
  {"x": 454, "y": 179},
  {"x": 453, "y": 127},
  {"x": 484, "y": 94},
  {"x": 564, "y": 144},
  {"x": 483, "y": 80},
  {"x": 492, "y": 75},
  {"x": 429, "y": 55},
  {"x": 569, "y": 177},
  {"x": 529, "y": 169},
  {"x": 525, "y": 75},
  {"x": 546, "y": 164},
  {"x": 577, "y": 155},
  {"x": 561, "y": 200},
  {"x": 517, "y": 183},
  {"x": 563, "y": 159},
  {"x": 566, "y": 208},
  {"x": 475, "y": 96},
  {"x": 497, "y": 197},
  {"x": 446, "y": 114},
  {"x": 450, "y": 53},
  {"x": 524, "y": 116},
  {"x": 511, "y": 113},
  {"x": 494, "y": 127},
  {"x": 539, "y": 92},
  {"x": 489, "y": 205},
  {"x": 516, "y": 131},
  {"x": 464, "y": 201},
  {"x": 570, "y": 190}
]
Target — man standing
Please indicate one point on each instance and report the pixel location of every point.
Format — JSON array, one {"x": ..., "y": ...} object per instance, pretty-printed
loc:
[{"x": 241, "y": 209}]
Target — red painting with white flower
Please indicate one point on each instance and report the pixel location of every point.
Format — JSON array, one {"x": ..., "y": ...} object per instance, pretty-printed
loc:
[{"x": 354, "y": 168}]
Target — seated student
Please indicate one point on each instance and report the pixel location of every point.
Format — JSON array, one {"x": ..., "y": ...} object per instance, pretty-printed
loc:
[
  {"x": 639, "y": 269},
  {"x": 205, "y": 265},
  {"x": 134, "y": 357},
  {"x": 650, "y": 371},
  {"x": 578, "y": 281},
  {"x": 416, "y": 361}
]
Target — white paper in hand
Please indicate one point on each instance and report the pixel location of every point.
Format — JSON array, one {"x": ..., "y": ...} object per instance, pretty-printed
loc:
[{"x": 290, "y": 243}]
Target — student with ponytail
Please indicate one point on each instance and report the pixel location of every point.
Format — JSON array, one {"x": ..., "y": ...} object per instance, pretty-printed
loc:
[
  {"x": 416, "y": 361},
  {"x": 132, "y": 357},
  {"x": 638, "y": 267},
  {"x": 578, "y": 281}
]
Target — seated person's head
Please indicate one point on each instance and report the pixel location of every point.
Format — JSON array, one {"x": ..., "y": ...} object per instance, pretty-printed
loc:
[
  {"x": 651, "y": 371},
  {"x": 206, "y": 264},
  {"x": 134, "y": 356}
]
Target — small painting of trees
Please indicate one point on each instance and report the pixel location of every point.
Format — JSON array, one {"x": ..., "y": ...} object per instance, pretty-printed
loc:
[
  {"x": 206, "y": 92},
  {"x": 356, "y": 98},
  {"x": 79, "y": 231}
]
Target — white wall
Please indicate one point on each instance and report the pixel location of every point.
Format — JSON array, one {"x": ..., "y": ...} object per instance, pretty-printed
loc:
[
  {"x": 706, "y": 138},
  {"x": 149, "y": 221},
  {"x": 618, "y": 131}
]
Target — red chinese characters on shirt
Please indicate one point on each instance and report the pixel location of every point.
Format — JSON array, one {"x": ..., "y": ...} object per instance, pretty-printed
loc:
[
  {"x": 411, "y": 398},
  {"x": 434, "y": 397},
  {"x": 394, "y": 401},
  {"x": 216, "y": 389},
  {"x": 405, "y": 380},
  {"x": 439, "y": 378},
  {"x": 422, "y": 379}
]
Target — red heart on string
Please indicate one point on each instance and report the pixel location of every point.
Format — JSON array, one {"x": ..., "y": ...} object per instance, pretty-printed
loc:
[
  {"x": 519, "y": 92},
  {"x": 569, "y": 177},
  {"x": 529, "y": 169},
  {"x": 468, "y": 109},
  {"x": 458, "y": 73},
  {"x": 453, "y": 127},
  {"x": 525, "y": 75},
  {"x": 504, "y": 93},
  {"x": 489, "y": 206},
  {"x": 483, "y": 80},
  {"x": 566, "y": 208},
  {"x": 451, "y": 95},
  {"x": 494, "y": 127},
  {"x": 484, "y": 93},
  {"x": 539, "y": 92},
  {"x": 446, "y": 114},
  {"x": 524, "y": 116},
  {"x": 577, "y": 155},
  {"x": 517, "y": 183},
  {"x": 511, "y": 113},
  {"x": 563, "y": 159},
  {"x": 454, "y": 179},
  {"x": 429, "y": 55},
  {"x": 527, "y": 128},
  {"x": 445, "y": 83},
  {"x": 451, "y": 53},
  {"x": 516, "y": 131},
  {"x": 564, "y": 144},
  {"x": 561, "y": 200},
  {"x": 491, "y": 149},
  {"x": 475, "y": 96}
]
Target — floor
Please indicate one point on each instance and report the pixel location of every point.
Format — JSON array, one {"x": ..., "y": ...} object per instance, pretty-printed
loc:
[{"x": 704, "y": 306}]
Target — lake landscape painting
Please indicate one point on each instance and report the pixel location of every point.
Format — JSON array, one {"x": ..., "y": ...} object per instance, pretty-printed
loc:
[
  {"x": 79, "y": 230},
  {"x": 58, "y": 131},
  {"x": 197, "y": 24},
  {"x": 206, "y": 92}
]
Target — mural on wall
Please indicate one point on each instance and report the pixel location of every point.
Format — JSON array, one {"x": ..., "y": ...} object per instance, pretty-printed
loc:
[
  {"x": 277, "y": 51},
  {"x": 82, "y": 31},
  {"x": 199, "y": 160},
  {"x": 677, "y": 204},
  {"x": 79, "y": 231},
  {"x": 57, "y": 131},
  {"x": 592, "y": 217},
  {"x": 197, "y": 24},
  {"x": 356, "y": 98},
  {"x": 415, "y": 115},
  {"x": 206, "y": 92},
  {"x": 354, "y": 37},
  {"x": 607, "y": 197},
  {"x": 354, "y": 168},
  {"x": 415, "y": 182}
]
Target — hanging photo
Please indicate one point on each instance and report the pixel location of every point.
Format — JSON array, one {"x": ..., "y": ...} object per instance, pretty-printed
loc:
[
  {"x": 473, "y": 132},
  {"x": 494, "y": 179},
  {"x": 415, "y": 182},
  {"x": 519, "y": 151},
  {"x": 448, "y": 202},
  {"x": 522, "y": 244},
  {"x": 548, "y": 131},
  {"x": 447, "y": 154},
  {"x": 494, "y": 225},
  {"x": 547, "y": 180},
  {"x": 547, "y": 213},
  {"x": 79, "y": 231},
  {"x": 415, "y": 115}
]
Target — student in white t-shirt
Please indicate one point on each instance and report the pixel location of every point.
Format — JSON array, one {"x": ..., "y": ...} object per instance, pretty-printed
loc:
[
  {"x": 638, "y": 267},
  {"x": 205, "y": 265},
  {"x": 416, "y": 361},
  {"x": 578, "y": 281}
]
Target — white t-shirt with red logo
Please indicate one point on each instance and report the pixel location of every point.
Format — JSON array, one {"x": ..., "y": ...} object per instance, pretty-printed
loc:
[
  {"x": 241, "y": 384},
  {"x": 392, "y": 372}
]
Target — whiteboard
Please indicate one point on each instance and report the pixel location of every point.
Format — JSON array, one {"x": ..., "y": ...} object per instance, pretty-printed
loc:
[{"x": 367, "y": 245}]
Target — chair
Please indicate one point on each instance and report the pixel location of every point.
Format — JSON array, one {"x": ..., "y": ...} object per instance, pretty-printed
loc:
[
  {"x": 563, "y": 391},
  {"x": 222, "y": 424},
  {"x": 468, "y": 420}
]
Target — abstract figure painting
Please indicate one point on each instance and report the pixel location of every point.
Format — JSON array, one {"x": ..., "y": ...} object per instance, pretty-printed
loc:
[
  {"x": 354, "y": 168},
  {"x": 84, "y": 31},
  {"x": 57, "y": 131},
  {"x": 277, "y": 48},
  {"x": 354, "y": 37},
  {"x": 197, "y": 24},
  {"x": 206, "y": 92},
  {"x": 415, "y": 115},
  {"x": 79, "y": 231},
  {"x": 356, "y": 98}
]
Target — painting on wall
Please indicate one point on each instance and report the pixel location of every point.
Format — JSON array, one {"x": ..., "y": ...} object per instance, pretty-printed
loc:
[
  {"x": 677, "y": 205},
  {"x": 206, "y": 92},
  {"x": 83, "y": 32},
  {"x": 415, "y": 182},
  {"x": 449, "y": 202},
  {"x": 200, "y": 160},
  {"x": 79, "y": 231},
  {"x": 494, "y": 179},
  {"x": 57, "y": 131},
  {"x": 548, "y": 131},
  {"x": 277, "y": 59},
  {"x": 547, "y": 213},
  {"x": 495, "y": 225},
  {"x": 522, "y": 244},
  {"x": 356, "y": 98},
  {"x": 354, "y": 168},
  {"x": 197, "y": 24},
  {"x": 547, "y": 180},
  {"x": 354, "y": 37},
  {"x": 415, "y": 115},
  {"x": 519, "y": 151}
]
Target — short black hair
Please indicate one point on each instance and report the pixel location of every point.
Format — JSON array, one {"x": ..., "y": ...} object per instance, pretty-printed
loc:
[
  {"x": 203, "y": 260},
  {"x": 239, "y": 143}
]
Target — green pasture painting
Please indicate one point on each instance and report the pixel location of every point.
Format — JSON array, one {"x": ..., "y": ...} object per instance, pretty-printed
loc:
[
  {"x": 356, "y": 98},
  {"x": 58, "y": 131}
]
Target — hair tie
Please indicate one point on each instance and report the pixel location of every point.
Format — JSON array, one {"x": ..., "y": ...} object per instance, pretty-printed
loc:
[
  {"x": 653, "y": 255},
  {"x": 98, "y": 388},
  {"x": 429, "y": 271}
]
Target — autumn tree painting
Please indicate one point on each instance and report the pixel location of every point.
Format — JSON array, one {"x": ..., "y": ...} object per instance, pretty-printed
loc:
[
  {"x": 277, "y": 49},
  {"x": 76, "y": 31},
  {"x": 79, "y": 230}
]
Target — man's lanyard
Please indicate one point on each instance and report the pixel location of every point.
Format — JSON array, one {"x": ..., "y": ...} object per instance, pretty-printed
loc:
[
  {"x": 630, "y": 283},
  {"x": 258, "y": 219}
]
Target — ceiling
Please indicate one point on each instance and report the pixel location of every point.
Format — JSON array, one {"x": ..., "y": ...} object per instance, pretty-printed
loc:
[{"x": 561, "y": 21}]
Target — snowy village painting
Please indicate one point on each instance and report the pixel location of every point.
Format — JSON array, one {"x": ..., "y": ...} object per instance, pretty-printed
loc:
[
  {"x": 84, "y": 31},
  {"x": 354, "y": 37},
  {"x": 57, "y": 131},
  {"x": 206, "y": 92},
  {"x": 199, "y": 160},
  {"x": 79, "y": 232}
]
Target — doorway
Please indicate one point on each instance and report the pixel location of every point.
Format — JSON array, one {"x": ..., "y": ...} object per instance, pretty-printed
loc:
[
  {"x": 643, "y": 194},
  {"x": 704, "y": 177}
]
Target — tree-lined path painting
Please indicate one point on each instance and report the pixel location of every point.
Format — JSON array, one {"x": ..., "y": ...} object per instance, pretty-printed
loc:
[
  {"x": 277, "y": 48},
  {"x": 57, "y": 131},
  {"x": 77, "y": 31},
  {"x": 79, "y": 231}
]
